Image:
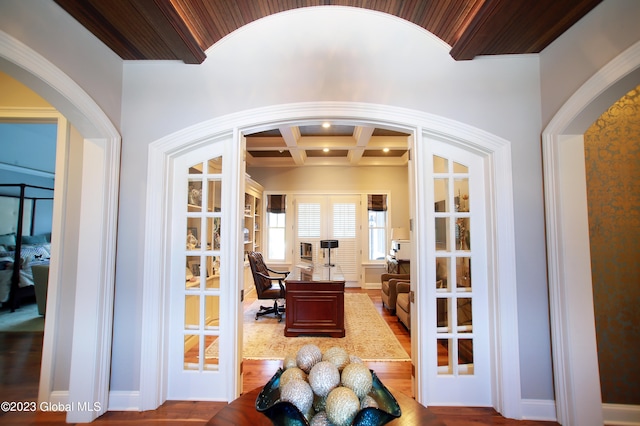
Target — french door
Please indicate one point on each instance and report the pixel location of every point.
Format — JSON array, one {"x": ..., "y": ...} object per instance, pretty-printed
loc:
[
  {"x": 459, "y": 366},
  {"x": 202, "y": 262},
  {"x": 330, "y": 217}
]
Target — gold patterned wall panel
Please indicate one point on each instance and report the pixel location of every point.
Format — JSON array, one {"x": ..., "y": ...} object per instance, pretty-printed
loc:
[{"x": 612, "y": 156}]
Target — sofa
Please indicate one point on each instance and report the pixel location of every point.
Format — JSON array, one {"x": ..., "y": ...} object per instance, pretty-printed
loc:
[
  {"x": 403, "y": 303},
  {"x": 388, "y": 289}
]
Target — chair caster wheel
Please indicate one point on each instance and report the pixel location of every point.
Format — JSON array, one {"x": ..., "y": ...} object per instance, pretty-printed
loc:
[{"x": 256, "y": 318}]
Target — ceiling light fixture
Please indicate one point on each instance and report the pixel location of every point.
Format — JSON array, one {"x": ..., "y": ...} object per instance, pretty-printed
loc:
[
  {"x": 326, "y": 125},
  {"x": 325, "y": 150},
  {"x": 385, "y": 150}
]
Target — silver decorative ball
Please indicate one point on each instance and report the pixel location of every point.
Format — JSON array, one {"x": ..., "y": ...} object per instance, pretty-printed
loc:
[
  {"x": 324, "y": 377},
  {"x": 355, "y": 360},
  {"x": 293, "y": 373},
  {"x": 320, "y": 419},
  {"x": 358, "y": 378},
  {"x": 342, "y": 406},
  {"x": 367, "y": 402},
  {"x": 307, "y": 357},
  {"x": 299, "y": 393},
  {"x": 336, "y": 355},
  {"x": 289, "y": 361}
]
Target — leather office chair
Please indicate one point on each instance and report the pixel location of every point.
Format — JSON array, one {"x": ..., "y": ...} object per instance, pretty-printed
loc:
[
  {"x": 389, "y": 291},
  {"x": 266, "y": 287}
]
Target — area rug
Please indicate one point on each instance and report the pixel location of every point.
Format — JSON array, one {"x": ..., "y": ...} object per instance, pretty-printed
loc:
[
  {"x": 25, "y": 318},
  {"x": 367, "y": 335}
]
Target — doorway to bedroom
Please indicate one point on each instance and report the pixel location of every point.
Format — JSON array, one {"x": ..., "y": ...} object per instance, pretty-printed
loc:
[{"x": 27, "y": 171}]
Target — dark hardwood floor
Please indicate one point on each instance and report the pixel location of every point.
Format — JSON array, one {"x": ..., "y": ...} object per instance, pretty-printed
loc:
[{"x": 20, "y": 369}]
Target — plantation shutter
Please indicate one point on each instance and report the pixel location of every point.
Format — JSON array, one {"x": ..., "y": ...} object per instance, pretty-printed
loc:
[
  {"x": 308, "y": 220},
  {"x": 344, "y": 230}
]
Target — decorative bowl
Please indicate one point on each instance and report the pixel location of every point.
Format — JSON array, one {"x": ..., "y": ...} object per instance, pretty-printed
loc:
[{"x": 283, "y": 413}]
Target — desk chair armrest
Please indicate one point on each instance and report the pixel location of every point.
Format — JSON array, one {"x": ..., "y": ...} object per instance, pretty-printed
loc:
[
  {"x": 285, "y": 273},
  {"x": 279, "y": 279}
]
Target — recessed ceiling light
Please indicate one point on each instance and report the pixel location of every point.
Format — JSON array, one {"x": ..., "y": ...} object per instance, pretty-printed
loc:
[
  {"x": 326, "y": 125},
  {"x": 385, "y": 150},
  {"x": 325, "y": 149}
]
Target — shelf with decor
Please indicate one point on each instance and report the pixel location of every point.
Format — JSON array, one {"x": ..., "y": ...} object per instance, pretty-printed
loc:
[{"x": 252, "y": 213}]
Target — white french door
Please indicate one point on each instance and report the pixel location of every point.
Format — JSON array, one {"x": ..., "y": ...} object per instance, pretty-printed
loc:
[
  {"x": 330, "y": 217},
  {"x": 459, "y": 364},
  {"x": 202, "y": 261}
]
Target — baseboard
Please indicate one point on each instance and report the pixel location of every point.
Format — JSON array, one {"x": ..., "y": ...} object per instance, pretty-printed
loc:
[
  {"x": 124, "y": 401},
  {"x": 539, "y": 409},
  {"x": 372, "y": 286},
  {"x": 621, "y": 414},
  {"x": 59, "y": 397}
]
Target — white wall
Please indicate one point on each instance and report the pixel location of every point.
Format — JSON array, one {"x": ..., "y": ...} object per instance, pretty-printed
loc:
[
  {"x": 337, "y": 54},
  {"x": 330, "y": 54},
  {"x": 395, "y": 180},
  {"x": 45, "y": 28},
  {"x": 589, "y": 45},
  {"x": 49, "y": 30}
]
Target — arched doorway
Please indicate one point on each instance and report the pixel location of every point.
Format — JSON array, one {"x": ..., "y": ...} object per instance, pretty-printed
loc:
[
  {"x": 92, "y": 308},
  {"x": 505, "y": 376},
  {"x": 576, "y": 375}
]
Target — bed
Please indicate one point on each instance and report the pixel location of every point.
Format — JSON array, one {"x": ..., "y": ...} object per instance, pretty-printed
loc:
[{"x": 24, "y": 210}]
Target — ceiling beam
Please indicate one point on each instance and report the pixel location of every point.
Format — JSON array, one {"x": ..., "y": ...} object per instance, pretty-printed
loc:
[
  {"x": 362, "y": 135},
  {"x": 291, "y": 136},
  {"x": 138, "y": 29}
]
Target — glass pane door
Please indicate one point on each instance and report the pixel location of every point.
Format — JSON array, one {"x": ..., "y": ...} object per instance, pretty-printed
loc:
[
  {"x": 202, "y": 266},
  {"x": 204, "y": 239},
  {"x": 459, "y": 369}
]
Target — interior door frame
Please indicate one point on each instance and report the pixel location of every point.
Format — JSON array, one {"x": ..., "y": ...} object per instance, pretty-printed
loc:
[
  {"x": 575, "y": 358},
  {"x": 506, "y": 374},
  {"x": 90, "y": 351}
]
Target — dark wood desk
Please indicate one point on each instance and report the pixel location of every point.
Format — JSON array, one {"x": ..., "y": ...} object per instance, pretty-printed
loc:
[
  {"x": 243, "y": 411},
  {"x": 315, "y": 301}
]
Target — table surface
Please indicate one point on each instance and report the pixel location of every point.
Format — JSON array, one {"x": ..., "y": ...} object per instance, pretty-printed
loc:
[
  {"x": 317, "y": 273},
  {"x": 243, "y": 411}
]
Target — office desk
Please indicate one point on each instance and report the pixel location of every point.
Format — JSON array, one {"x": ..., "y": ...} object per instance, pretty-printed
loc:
[{"x": 315, "y": 301}]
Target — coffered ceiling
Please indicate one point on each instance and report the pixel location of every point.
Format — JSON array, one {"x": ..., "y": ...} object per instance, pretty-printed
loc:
[
  {"x": 329, "y": 145},
  {"x": 185, "y": 29}
]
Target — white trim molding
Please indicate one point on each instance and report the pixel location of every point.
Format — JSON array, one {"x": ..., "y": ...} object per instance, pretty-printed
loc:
[
  {"x": 621, "y": 414},
  {"x": 542, "y": 410},
  {"x": 93, "y": 314},
  {"x": 575, "y": 359},
  {"x": 153, "y": 382}
]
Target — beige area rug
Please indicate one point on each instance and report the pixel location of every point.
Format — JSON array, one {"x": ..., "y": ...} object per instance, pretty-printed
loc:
[{"x": 367, "y": 335}]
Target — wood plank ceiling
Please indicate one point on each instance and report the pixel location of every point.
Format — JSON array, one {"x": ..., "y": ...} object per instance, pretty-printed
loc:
[{"x": 185, "y": 29}]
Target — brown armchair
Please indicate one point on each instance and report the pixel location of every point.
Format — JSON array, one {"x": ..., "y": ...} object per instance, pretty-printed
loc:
[
  {"x": 403, "y": 303},
  {"x": 266, "y": 288},
  {"x": 389, "y": 292}
]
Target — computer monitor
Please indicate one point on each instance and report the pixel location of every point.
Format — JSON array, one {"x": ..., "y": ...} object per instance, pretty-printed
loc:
[{"x": 306, "y": 253}]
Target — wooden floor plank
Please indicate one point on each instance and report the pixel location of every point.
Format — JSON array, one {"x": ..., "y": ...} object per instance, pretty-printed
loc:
[{"x": 20, "y": 367}]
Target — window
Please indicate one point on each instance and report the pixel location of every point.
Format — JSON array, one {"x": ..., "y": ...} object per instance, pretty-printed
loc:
[
  {"x": 276, "y": 222},
  {"x": 377, "y": 219}
]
